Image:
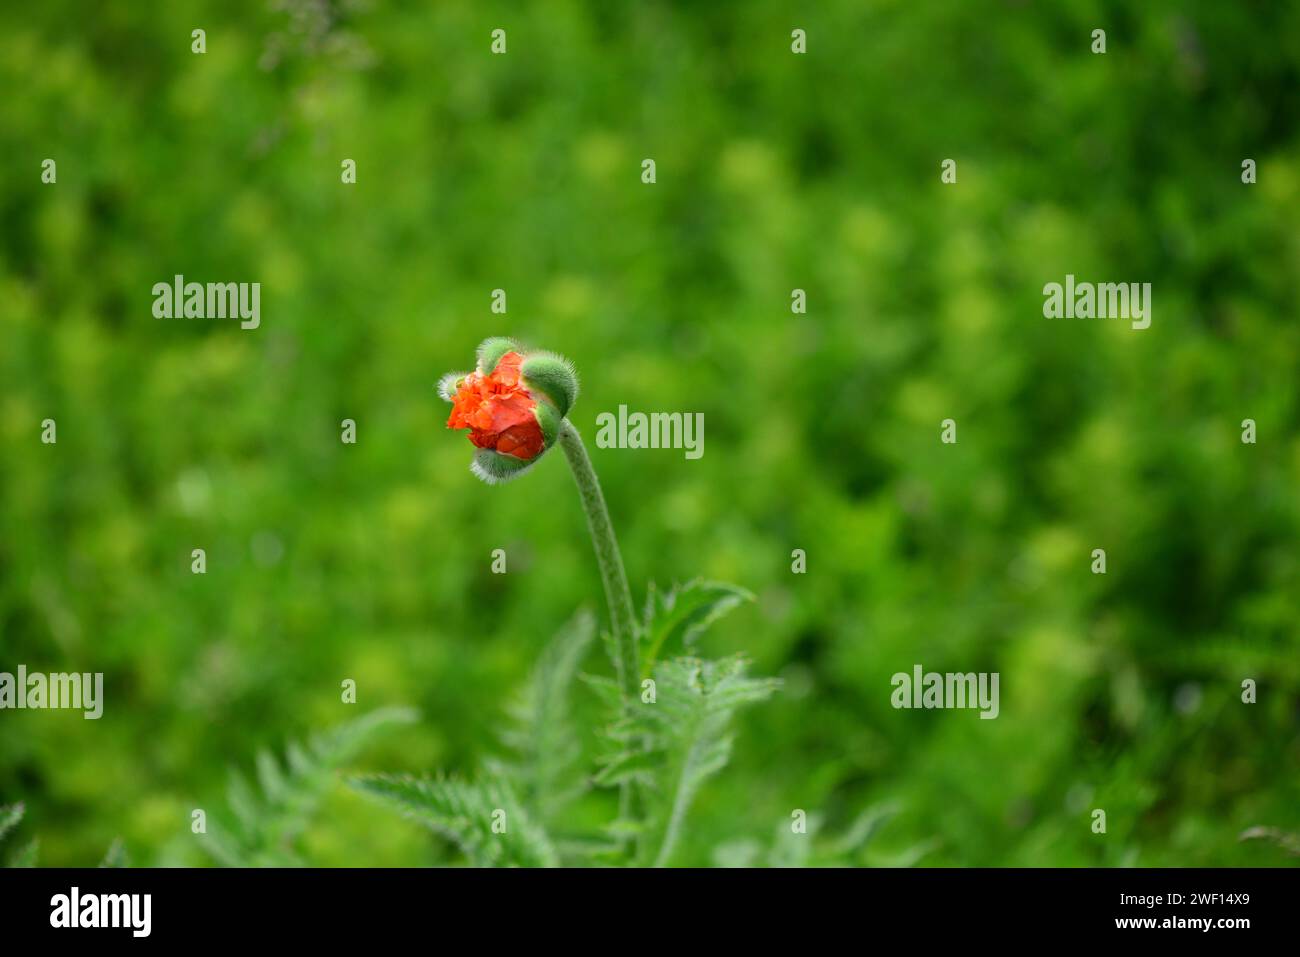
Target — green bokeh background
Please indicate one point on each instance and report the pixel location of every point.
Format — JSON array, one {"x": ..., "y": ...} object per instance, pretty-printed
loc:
[{"x": 775, "y": 171}]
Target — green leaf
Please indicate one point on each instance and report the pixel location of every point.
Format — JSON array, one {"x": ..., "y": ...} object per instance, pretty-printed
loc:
[
  {"x": 242, "y": 800},
  {"x": 739, "y": 853},
  {"x": 674, "y": 620},
  {"x": 10, "y": 815},
  {"x": 116, "y": 855},
  {"x": 26, "y": 855},
  {"x": 270, "y": 776},
  {"x": 651, "y": 607},
  {"x": 624, "y": 827},
  {"x": 267, "y": 819},
  {"x": 626, "y": 766},
  {"x": 483, "y": 818},
  {"x": 863, "y": 829},
  {"x": 688, "y": 730},
  {"x": 791, "y": 848},
  {"x": 590, "y": 850},
  {"x": 1276, "y": 836},
  {"x": 809, "y": 849},
  {"x": 541, "y": 734},
  {"x": 606, "y": 690},
  {"x": 910, "y": 856}
]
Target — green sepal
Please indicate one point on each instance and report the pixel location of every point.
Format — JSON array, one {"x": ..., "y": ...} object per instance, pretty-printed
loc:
[
  {"x": 491, "y": 350},
  {"x": 494, "y": 468},
  {"x": 553, "y": 377},
  {"x": 449, "y": 384},
  {"x": 549, "y": 418}
]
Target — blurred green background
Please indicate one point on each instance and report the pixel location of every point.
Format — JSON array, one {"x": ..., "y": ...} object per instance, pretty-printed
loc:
[{"x": 775, "y": 172}]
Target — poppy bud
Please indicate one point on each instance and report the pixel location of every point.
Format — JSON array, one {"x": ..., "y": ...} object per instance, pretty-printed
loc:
[{"x": 513, "y": 404}]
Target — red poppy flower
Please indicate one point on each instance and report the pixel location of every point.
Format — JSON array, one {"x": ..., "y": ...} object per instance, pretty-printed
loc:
[{"x": 499, "y": 412}]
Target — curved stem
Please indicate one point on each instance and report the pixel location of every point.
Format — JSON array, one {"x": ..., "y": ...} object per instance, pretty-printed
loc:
[{"x": 612, "y": 575}]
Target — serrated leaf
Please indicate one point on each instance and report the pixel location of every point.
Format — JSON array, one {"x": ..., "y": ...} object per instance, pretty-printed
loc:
[
  {"x": 651, "y": 606},
  {"x": 222, "y": 845},
  {"x": 683, "y": 613},
  {"x": 242, "y": 800},
  {"x": 740, "y": 853},
  {"x": 26, "y": 855},
  {"x": 606, "y": 690},
  {"x": 268, "y": 818},
  {"x": 541, "y": 734},
  {"x": 269, "y": 776},
  {"x": 626, "y": 766},
  {"x": 862, "y": 830},
  {"x": 298, "y": 759},
  {"x": 910, "y": 856},
  {"x": 116, "y": 855},
  {"x": 792, "y": 848},
  {"x": 465, "y": 812},
  {"x": 589, "y": 849},
  {"x": 1274, "y": 835},
  {"x": 10, "y": 815},
  {"x": 625, "y": 827},
  {"x": 687, "y": 732}
]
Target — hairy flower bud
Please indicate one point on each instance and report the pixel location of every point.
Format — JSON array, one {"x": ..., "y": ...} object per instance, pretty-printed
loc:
[{"x": 513, "y": 404}]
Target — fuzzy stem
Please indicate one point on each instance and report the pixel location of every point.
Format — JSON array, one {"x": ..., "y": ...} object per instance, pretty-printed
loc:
[{"x": 612, "y": 575}]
